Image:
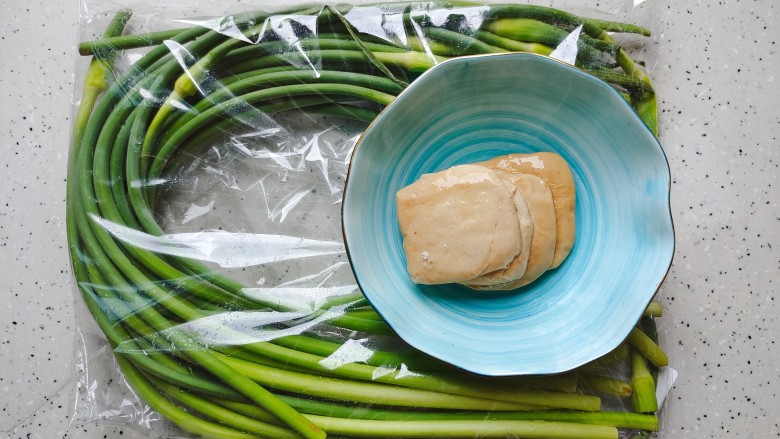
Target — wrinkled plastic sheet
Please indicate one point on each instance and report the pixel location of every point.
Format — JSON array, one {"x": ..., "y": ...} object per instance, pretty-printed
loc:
[{"x": 260, "y": 201}]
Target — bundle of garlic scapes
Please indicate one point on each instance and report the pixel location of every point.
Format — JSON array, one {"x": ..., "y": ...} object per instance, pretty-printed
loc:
[
  {"x": 141, "y": 122},
  {"x": 495, "y": 225}
]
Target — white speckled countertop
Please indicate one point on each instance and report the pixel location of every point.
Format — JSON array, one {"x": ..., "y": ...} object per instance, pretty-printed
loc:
[{"x": 717, "y": 76}]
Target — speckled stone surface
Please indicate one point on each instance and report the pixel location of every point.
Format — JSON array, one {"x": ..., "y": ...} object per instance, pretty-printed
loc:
[{"x": 717, "y": 76}]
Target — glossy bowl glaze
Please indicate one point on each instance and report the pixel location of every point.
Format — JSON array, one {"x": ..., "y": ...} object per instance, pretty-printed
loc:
[{"x": 475, "y": 108}]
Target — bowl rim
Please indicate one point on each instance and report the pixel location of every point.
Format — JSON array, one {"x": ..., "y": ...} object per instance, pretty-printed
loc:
[{"x": 571, "y": 68}]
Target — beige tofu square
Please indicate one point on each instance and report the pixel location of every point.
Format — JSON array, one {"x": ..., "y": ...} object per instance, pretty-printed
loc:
[{"x": 458, "y": 224}]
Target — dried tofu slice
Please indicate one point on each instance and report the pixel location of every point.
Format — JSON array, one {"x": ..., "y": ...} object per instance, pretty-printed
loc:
[
  {"x": 458, "y": 224},
  {"x": 539, "y": 198},
  {"x": 554, "y": 170},
  {"x": 517, "y": 267}
]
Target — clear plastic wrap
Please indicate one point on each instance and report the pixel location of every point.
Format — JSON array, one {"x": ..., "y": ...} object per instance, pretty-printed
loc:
[{"x": 208, "y": 162}]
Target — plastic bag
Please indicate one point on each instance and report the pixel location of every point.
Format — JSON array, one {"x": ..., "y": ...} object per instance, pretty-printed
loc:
[{"x": 209, "y": 156}]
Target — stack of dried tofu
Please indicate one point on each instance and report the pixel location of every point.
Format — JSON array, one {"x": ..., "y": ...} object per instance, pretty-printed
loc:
[{"x": 494, "y": 225}]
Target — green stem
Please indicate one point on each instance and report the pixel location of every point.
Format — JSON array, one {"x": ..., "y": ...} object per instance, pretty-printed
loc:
[
  {"x": 631, "y": 83},
  {"x": 363, "y": 325},
  {"x": 613, "y": 26},
  {"x": 379, "y": 358},
  {"x": 533, "y": 31},
  {"x": 96, "y": 81},
  {"x": 464, "y": 44},
  {"x": 223, "y": 415},
  {"x": 100, "y": 298},
  {"x": 433, "y": 47},
  {"x": 646, "y": 102},
  {"x": 428, "y": 381},
  {"x": 370, "y": 393},
  {"x": 193, "y": 146},
  {"x": 641, "y": 342},
  {"x": 607, "y": 385},
  {"x": 644, "y": 398},
  {"x": 372, "y": 58},
  {"x": 470, "y": 45},
  {"x": 421, "y": 366},
  {"x": 560, "y": 18},
  {"x": 410, "y": 61},
  {"x": 452, "y": 429},
  {"x": 647, "y": 324},
  {"x": 513, "y": 45},
  {"x": 150, "y": 39},
  {"x": 178, "y": 416},
  {"x": 127, "y": 42},
  {"x": 263, "y": 79},
  {"x": 330, "y": 409},
  {"x": 255, "y": 97},
  {"x": 655, "y": 309},
  {"x": 244, "y": 417}
]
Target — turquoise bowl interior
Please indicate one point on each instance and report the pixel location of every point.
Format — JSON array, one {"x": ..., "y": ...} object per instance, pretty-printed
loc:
[{"x": 475, "y": 108}]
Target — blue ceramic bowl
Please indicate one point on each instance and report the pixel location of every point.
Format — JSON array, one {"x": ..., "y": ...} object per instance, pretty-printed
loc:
[{"x": 475, "y": 108}]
